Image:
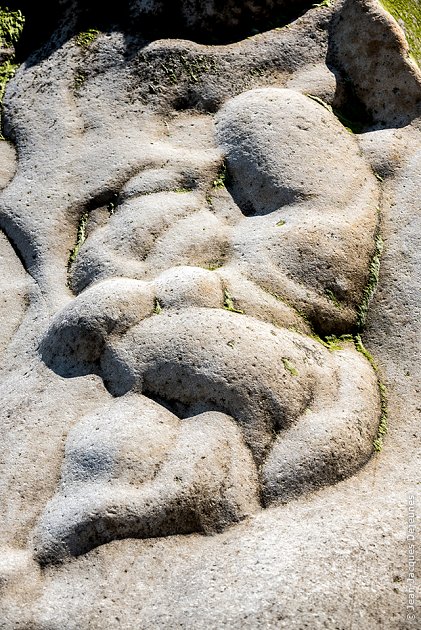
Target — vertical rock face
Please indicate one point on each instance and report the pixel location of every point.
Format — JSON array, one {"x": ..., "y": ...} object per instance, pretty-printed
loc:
[
  {"x": 408, "y": 15},
  {"x": 192, "y": 215},
  {"x": 377, "y": 60}
]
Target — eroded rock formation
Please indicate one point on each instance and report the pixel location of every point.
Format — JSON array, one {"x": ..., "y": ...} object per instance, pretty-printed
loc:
[{"x": 191, "y": 236}]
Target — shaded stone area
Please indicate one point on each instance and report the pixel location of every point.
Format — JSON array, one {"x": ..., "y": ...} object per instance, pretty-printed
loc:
[{"x": 209, "y": 22}]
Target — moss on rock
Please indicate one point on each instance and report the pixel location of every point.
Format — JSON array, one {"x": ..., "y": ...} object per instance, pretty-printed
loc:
[{"x": 11, "y": 25}]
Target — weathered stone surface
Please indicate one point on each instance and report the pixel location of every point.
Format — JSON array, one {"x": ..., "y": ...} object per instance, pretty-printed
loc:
[
  {"x": 14, "y": 290},
  {"x": 7, "y": 163},
  {"x": 182, "y": 224}
]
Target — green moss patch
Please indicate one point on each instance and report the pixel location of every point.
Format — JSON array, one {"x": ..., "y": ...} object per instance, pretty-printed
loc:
[
  {"x": 382, "y": 428},
  {"x": 373, "y": 278},
  {"x": 80, "y": 239},
  {"x": 229, "y": 303},
  {"x": 85, "y": 39},
  {"x": 221, "y": 178},
  {"x": 332, "y": 298},
  {"x": 183, "y": 190},
  {"x": 289, "y": 366},
  {"x": 7, "y": 71},
  {"x": 11, "y": 25},
  {"x": 157, "y": 309}
]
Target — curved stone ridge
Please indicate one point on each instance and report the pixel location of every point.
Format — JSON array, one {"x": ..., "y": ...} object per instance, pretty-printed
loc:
[
  {"x": 133, "y": 469},
  {"x": 278, "y": 221},
  {"x": 288, "y": 414},
  {"x": 377, "y": 55},
  {"x": 408, "y": 15}
]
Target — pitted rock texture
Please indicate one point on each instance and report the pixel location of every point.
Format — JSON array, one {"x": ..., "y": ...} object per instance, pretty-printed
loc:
[
  {"x": 202, "y": 362},
  {"x": 182, "y": 225},
  {"x": 136, "y": 470},
  {"x": 14, "y": 290},
  {"x": 274, "y": 223}
]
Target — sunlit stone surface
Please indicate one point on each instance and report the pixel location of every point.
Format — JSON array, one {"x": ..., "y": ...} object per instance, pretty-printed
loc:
[{"x": 205, "y": 212}]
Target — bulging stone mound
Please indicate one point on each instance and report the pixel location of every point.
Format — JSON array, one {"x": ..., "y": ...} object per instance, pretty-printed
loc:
[
  {"x": 294, "y": 416},
  {"x": 135, "y": 470}
]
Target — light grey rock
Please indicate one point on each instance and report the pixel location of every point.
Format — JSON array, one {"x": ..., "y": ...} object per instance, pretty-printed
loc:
[
  {"x": 285, "y": 152},
  {"x": 180, "y": 225},
  {"x": 14, "y": 291},
  {"x": 194, "y": 361},
  {"x": 7, "y": 163},
  {"x": 136, "y": 470}
]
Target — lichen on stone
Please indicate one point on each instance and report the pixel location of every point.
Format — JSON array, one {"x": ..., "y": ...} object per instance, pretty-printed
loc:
[
  {"x": 85, "y": 39},
  {"x": 373, "y": 278}
]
